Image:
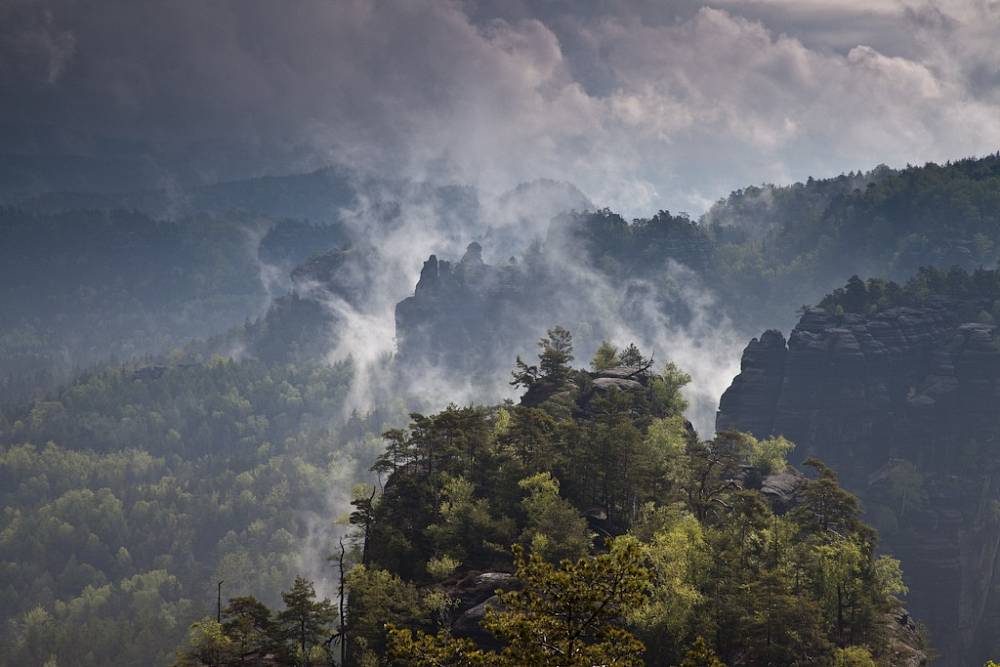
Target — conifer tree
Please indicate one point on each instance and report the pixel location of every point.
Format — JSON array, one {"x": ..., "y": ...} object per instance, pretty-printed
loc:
[
  {"x": 247, "y": 621},
  {"x": 305, "y": 621},
  {"x": 606, "y": 357},
  {"x": 568, "y": 615},
  {"x": 556, "y": 355}
]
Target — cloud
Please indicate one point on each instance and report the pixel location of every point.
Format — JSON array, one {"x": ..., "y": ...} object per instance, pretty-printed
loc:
[{"x": 642, "y": 105}]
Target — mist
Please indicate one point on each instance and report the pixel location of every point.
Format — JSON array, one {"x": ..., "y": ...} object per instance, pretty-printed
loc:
[{"x": 691, "y": 331}]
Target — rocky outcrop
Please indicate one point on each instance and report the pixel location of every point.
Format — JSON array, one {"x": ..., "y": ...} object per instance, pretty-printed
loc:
[
  {"x": 303, "y": 326},
  {"x": 782, "y": 489},
  {"x": 462, "y": 315},
  {"x": 474, "y": 594},
  {"x": 906, "y": 644},
  {"x": 904, "y": 405},
  {"x": 346, "y": 274},
  {"x": 474, "y": 317}
]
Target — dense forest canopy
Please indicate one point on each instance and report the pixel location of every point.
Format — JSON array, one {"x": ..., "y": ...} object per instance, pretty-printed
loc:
[
  {"x": 798, "y": 242},
  {"x": 977, "y": 291},
  {"x": 127, "y": 494},
  {"x": 611, "y": 532}
]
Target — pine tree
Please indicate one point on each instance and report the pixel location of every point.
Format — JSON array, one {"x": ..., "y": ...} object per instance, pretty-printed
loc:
[
  {"x": 826, "y": 509},
  {"x": 556, "y": 355},
  {"x": 305, "y": 621},
  {"x": 523, "y": 374},
  {"x": 362, "y": 517},
  {"x": 248, "y": 622},
  {"x": 631, "y": 356},
  {"x": 701, "y": 655},
  {"x": 606, "y": 357}
]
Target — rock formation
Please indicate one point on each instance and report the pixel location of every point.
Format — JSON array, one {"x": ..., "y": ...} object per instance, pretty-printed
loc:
[
  {"x": 463, "y": 315},
  {"x": 904, "y": 405},
  {"x": 595, "y": 274}
]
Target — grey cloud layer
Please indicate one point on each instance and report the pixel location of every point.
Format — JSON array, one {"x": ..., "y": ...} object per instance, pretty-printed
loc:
[{"x": 641, "y": 104}]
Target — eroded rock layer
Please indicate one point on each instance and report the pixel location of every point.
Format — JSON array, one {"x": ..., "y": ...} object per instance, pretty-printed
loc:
[{"x": 904, "y": 405}]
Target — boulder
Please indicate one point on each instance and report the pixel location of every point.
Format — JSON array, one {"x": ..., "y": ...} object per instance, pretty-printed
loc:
[
  {"x": 475, "y": 594},
  {"x": 604, "y": 384},
  {"x": 782, "y": 489}
]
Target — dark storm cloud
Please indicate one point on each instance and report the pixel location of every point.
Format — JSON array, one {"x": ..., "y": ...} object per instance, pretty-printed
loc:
[{"x": 642, "y": 104}]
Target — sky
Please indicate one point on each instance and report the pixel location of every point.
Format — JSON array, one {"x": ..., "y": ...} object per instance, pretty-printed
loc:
[{"x": 643, "y": 105}]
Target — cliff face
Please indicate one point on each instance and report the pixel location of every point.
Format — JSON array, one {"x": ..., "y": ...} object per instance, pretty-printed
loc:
[{"x": 904, "y": 405}]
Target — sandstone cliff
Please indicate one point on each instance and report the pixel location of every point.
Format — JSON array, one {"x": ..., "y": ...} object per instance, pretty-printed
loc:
[{"x": 904, "y": 404}]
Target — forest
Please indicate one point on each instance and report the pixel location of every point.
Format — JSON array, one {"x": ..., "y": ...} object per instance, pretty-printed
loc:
[
  {"x": 172, "y": 417},
  {"x": 129, "y": 492},
  {"x": 616, "y": 536}
]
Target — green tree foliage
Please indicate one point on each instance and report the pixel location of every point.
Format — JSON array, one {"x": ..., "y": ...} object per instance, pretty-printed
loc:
[
  {"x": 701, "y": 655},
  {"x": 827, "y": 509},
  {"x": 524, "y": 375},
  {"x": 128, "y": 494},
  {"x": 299, "y": 635},
  {"x": 378, "y": 598},
  {"x": 208, "y": 644},
  {"x": 556, "y": 355},
  {"x": 305, "y": 621},
  {"x": 780, "y": 245},
  {"x": 467, "y": 529},
  {"x": 631, "y": 356},
  {"x": 248, "y": 624},
  {"x": 553, "y": 370},
  {"x": 716, "y": 562},
  {"x": 667, "y": 386},
  {"x": 606, "y": 357},
  {"x": 770, "y": 456},
  {"x": 853, "y": 656},
  {"x": 554, "y": 528},
  {"x": 568, "y": 614}
]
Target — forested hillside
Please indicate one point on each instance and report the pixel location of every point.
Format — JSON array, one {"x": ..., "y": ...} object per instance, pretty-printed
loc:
[
  {"x": 88, "y": 287},
  {"x": 414, "y": 333},
  {"x": 90, "y": 278},
  {"x": 791, "y": 245},
  {"x": 129, "y": 493},
  {"x": 586, "y": 524}
]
